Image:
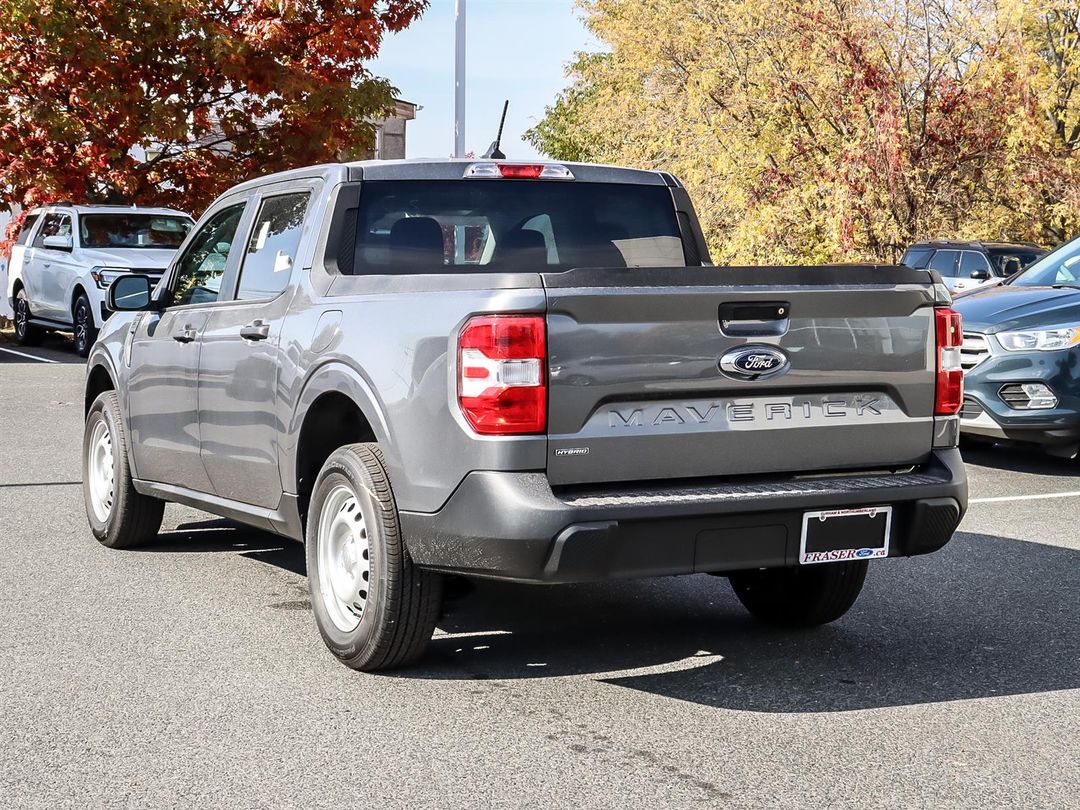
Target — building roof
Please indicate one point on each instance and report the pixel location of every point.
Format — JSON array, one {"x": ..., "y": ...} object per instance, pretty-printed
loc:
[{"x": 405, "y": 109}]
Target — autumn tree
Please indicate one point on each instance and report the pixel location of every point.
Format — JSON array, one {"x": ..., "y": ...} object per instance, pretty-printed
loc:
[
  {"x": 1046, "y": 144},
  {"x": 825, "y": 130},
  {"x": 172, "y": 101}
]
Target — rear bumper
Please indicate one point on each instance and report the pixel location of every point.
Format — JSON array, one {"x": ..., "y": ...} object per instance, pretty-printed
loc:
[
  {"x": 513, "y": 526},
  {"x": 986, "y": 414}
]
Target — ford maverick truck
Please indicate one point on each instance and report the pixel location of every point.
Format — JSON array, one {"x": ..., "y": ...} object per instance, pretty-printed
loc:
[{"x": 528, "y": 372}]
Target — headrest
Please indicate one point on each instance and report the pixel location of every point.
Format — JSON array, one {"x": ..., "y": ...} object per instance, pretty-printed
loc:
[{"x": 417, "y": 241}]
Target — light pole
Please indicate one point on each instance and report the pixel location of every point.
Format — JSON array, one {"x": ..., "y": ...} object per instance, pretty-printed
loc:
[{"x": 459, "y": 78}]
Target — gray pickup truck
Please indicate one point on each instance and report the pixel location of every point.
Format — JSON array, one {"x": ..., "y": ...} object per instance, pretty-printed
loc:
[{"x": 522, "y": 371}]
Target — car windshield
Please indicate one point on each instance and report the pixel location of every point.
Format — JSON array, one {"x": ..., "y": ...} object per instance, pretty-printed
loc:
[
  {"x": 439, "y": 226},
  {"x": 1059, "y": 267},
  {"x": 133, "y": 230}
]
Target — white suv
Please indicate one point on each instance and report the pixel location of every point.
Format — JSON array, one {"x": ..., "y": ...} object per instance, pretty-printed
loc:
[{"x": 66, "y": 256}]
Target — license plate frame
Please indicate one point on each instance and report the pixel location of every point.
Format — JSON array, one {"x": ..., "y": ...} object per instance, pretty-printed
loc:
[{"x": 828, "y": 535}]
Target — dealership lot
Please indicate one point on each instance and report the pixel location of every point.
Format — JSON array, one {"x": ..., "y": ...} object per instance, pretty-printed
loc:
[{"x": 190, "y": 673}]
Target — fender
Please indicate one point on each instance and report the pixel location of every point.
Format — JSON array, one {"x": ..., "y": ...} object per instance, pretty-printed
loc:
[
  {"x": 99, "y": 358},
  {"x": 337, "y": 376}
]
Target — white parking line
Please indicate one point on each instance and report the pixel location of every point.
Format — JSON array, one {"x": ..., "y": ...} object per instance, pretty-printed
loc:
[
  {"x": 1041, "y": 497},
  {"x": 28, "y": 356}
]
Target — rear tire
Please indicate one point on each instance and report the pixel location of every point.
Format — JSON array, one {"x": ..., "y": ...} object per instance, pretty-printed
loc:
[
  {"x": 806, "y": 596},
  {"x": 374, "y": 608},
  {"x": 26, "y": 334},
  {"x": 119, "y": 516},
  {"x": 82, "y": 319}
]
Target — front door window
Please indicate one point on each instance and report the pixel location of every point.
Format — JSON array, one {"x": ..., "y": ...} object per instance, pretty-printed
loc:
[{"x": 201, "y": 269}]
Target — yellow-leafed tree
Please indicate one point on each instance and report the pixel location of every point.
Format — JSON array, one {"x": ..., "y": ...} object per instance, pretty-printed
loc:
[{"x": 834, "y": 130}]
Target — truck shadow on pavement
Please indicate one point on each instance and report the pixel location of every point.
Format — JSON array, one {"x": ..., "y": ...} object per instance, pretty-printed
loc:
[
  {"x": 987, "y": 616},
  {"x": 221, "y": 535}
]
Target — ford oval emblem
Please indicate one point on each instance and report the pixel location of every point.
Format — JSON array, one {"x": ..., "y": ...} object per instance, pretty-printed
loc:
[{"x": 754, "y": 362}]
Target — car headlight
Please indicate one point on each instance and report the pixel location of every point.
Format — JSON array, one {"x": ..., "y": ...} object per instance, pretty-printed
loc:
[
  {"x": 104, "y": 276},
  {"x": 1043, "y": 340}
]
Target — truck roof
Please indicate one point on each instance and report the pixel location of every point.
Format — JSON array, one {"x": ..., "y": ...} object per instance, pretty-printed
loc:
[{"x": 453, "y": 169}]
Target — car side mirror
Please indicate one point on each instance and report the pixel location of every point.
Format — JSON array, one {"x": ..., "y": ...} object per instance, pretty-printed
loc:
[
  {"x": 980, "y": 275},
  {"x": 1011, "y": 266},
  {"x": 129, "y": 293},
  {"x": 58, "y": 242}
]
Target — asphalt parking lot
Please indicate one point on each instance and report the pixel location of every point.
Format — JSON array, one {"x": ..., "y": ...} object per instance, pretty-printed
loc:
[{"x": 190, "y": 674}]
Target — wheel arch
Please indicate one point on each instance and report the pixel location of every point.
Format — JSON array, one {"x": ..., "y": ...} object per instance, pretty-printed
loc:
[
  {"x": 335, "y": 408},
  {"x": 99, "y": 379},
  {"x": 77, "y": 289}
]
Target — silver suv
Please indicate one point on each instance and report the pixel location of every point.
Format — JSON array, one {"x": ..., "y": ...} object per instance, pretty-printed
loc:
[
  {"x": 527, "y": 372},
  {"x": 66, "y": 256}
]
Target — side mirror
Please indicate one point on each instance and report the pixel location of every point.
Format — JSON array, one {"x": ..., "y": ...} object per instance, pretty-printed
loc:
[
  {"x": 58, "y": 242},
  {"x": 980, "y": 275},
  {"x": 1011, "y": 266},
  {"x": 129, "y": 293}
]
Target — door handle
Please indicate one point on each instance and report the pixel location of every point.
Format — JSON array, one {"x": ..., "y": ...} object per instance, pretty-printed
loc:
[
  {"x": 754, "y": 318},
  {"x": 256, "y": 330},
  {"x": 185, "y": 335}
]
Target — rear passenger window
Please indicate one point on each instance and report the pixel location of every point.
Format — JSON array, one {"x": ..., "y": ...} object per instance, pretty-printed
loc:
[
  {"x": 27, "y": 227},
  {"x": 271, "y": 250},
  {"x": 944, "y": 262}
]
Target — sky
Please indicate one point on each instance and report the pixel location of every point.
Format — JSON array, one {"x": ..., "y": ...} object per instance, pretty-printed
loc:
[{"x": 516, "y": 49}]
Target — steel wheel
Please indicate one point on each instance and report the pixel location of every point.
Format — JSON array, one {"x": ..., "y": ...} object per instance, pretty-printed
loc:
[
  {"x": 374, "y": 608},
  {"x": 101, "y": 471},
  {"x": 344, "y": 550}
]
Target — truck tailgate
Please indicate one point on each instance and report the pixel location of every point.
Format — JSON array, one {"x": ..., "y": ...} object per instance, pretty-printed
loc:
[{"x": 637, "y": 392}]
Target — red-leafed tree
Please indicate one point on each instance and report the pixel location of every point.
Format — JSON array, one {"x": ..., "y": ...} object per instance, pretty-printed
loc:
[{"x": 172, "y": 101}]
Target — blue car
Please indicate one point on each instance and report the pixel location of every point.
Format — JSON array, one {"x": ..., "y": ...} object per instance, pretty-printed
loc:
[{"x": 1021, "y": 356}]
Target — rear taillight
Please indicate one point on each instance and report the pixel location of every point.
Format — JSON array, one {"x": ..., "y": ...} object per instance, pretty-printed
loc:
[
  {"x": 502, "y": 374},
  {"x": 950, "y": 374}
]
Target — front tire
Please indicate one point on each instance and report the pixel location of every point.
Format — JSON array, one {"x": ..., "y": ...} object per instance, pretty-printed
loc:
[
  {"x": 83, "y": 326},
  {"x": 374, "y": 608},
  {"x": 806, "y": 596},
  {"x": 119, "y": 516},
  {"x": 26, "y": 334}
]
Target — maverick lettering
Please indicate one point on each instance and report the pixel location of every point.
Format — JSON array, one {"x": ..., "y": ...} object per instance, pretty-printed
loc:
[{"x": 764, "y": 411}]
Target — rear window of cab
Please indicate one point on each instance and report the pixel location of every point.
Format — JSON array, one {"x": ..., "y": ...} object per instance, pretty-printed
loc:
[{"x": 441, "y": 226}]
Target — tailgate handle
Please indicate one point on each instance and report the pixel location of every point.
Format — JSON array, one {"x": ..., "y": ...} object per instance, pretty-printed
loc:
[{"x": 741, "y": 318}]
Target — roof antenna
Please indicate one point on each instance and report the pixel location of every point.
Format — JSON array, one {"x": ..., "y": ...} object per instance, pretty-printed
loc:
[{"x": 493, "y": 151}]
